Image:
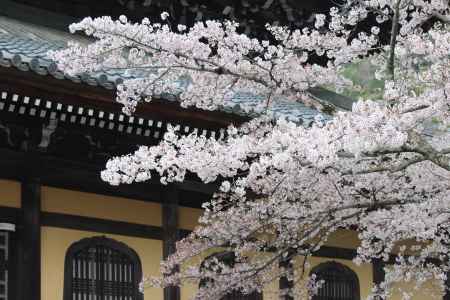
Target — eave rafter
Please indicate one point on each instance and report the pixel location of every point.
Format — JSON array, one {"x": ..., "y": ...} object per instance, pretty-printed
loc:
[
  {"x": 66, "y": 92},
  {"x": 25, "y": 96}
]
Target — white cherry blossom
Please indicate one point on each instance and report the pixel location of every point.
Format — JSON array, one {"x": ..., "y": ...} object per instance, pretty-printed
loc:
[{"x": 382, "y": 169}]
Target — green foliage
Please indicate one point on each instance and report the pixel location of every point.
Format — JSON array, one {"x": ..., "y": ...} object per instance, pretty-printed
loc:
[{"x": 365, "y": 85}]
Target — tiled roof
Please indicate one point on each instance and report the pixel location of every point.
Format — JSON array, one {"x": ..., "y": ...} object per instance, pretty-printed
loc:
[{"x": 24, "y": 46}]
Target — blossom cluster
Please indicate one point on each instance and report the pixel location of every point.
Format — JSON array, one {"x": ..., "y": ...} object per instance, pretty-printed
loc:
[{"x": 382, "y": 169}]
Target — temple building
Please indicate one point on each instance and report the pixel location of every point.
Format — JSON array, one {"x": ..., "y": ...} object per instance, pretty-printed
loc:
[{"x": 67, "y": 235}]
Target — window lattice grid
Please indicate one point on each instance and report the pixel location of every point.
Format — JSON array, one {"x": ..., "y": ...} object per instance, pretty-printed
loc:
[
  {"x": 229, "y": 258},
  {"x": 101, "y": 272},
  {"x": 339, "y": 282},
  {"x": 240, "y": 296},
  {"x": 4, "y": 253}
]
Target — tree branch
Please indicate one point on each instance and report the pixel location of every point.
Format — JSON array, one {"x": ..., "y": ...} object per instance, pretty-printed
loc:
[
  {"x": 394, "y": 33},
  {"x": 442, "y": 18}
]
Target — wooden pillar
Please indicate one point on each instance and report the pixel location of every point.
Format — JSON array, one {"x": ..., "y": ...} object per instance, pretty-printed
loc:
[
  {"x": 284, "y": 282},
  {"x": 377, "y": 271},
  {"x": 447, "y": 291},
  {"x": 29, "y": 248},
  {"x": 170, "y": 233}
]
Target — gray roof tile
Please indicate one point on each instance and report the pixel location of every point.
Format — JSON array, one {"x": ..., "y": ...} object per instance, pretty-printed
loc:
[{"x": 24, "y": 46}]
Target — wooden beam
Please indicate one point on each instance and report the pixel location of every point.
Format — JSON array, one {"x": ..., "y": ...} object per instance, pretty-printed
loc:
[
  {"x": 335, "y": 252},
  {"x": 378, "y": 273},
  {"x": 59, "y": 220},
  {"x": 285, "y": 283},
  {"x": 170, "y": 214},
  {"x": 78, "y": 176},
  {"x": 30, "y": 240},
  {"x": 101, "y": 225},
  {"x": 9, "y": 214},
  {"x": 68, "y": 92},
  {"x": 196, "y": 186},
  {"x": 170, "y": 219}
]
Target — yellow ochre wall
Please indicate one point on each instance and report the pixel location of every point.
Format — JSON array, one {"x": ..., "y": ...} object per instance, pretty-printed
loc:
[
  {"x": 363, "y": 271},
  {"x": 430, "y": 290},
  {"x": 55, "y": 241},
  {"x": 188, "y": 217},
  {"x": 100, "y": 206},
  {"x": 9, "y": 193}
]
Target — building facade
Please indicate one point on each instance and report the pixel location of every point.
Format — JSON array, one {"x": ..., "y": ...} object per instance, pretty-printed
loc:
[{"x": 65, "y": 234}]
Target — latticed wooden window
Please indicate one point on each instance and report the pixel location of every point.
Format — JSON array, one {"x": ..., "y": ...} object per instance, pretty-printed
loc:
[
  {"x": 99, "y": 268},
  {"x": 340, "y": 282},
  {"x": 240, "y": 296},
  {"x": 4, "y": 255},
  {"x": 228, "y": 258}
]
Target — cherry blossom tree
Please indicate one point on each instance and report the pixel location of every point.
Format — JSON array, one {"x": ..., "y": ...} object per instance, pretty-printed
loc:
[{"x": 382, "y": 169}]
